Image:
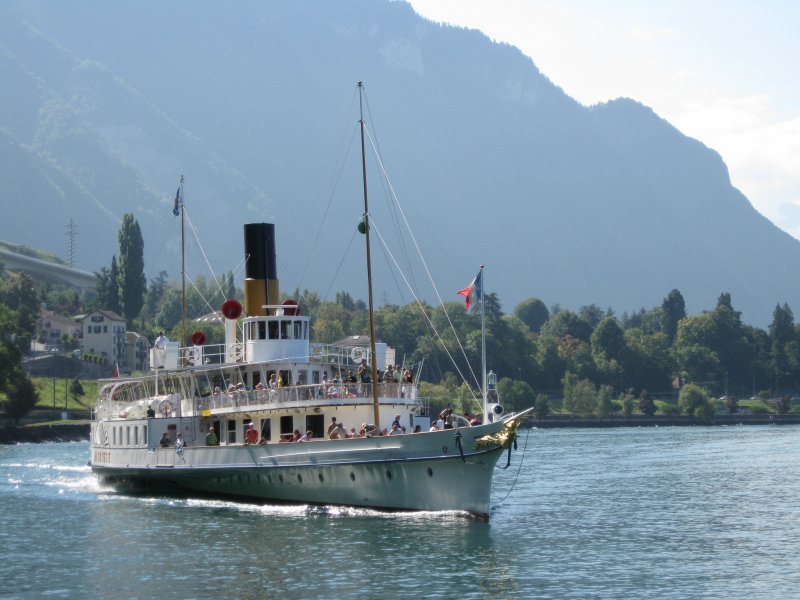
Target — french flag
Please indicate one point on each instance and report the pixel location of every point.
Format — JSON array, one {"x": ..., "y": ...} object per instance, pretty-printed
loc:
[{"x": 473, "y": 292}]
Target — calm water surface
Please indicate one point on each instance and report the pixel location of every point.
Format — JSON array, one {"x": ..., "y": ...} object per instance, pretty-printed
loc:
[{"x": 621, "y": 513}]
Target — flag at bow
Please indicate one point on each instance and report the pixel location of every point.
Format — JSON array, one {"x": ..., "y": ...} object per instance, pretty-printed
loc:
[
  {"x": 115, "y": 374},
  {"x": 176, "y": 207},
  {"x": 473, "y": 292}
]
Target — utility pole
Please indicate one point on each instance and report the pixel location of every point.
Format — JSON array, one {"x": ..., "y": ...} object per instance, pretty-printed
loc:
[{"x": 72, "y": 232}]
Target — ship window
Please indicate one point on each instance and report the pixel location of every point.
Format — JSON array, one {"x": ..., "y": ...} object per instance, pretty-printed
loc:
[
  {"x": 316, "y": 423},
  {"x": 135, "y": 436},
  {"x": 298, "y": 330},
  {"x": 272, "y": 328},
  {"x": 284, "y": 330},
  {"x": 262, "y": 330},
  {"x": 144, "y": 435},
  {"x": 315, "y": 377},
  {"x": 231, "y": 432},
  {"x": 287, "y": 424},
  {"x": 127, "y": 435},
  {"x": 302, "y": 377},
  {"x": 114, "y": 435},
  {"x": 266, "y": 429}
]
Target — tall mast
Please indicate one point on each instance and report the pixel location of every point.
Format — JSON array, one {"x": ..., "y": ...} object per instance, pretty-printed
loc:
[
  {"x": 373, "y": 366},
  {"x": 483, "y": 348},
  {"x": 183, "y": 271}
]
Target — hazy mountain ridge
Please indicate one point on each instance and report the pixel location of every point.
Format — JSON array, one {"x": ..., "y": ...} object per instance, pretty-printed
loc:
[{"x": 609, "y": 204}]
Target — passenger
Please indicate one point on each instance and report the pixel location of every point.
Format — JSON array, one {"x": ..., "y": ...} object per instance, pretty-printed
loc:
[
  {"x": 440, "y": 424},
  {"x": 179, "y": 443},
  {"x": 396, "y": 421},
  {"x": 434, "y": 427},
  {"x": 251, "y": 435},
  {"x": 396, "y": 429},
  {"x": 150, "y": 412},
  {"x": 161, "y": 341},
  {"x": 418, "y": 429},
  {"x": 272, "y": 383},
  {"x": 307, "y": 437},
  {"x": 340, "y": 433},
  {"x": 296, "y": 435},
  {"x": 164, "y": 443},
  {"x": 262, "y": 441},
  {"x": 333, "y": 425},
  {"x": 476, "y": 420},
  {"x": 397, "y": 374},
  {"x": 211, "y": 437},
  {"x": 408, "y": 375},
  {"x": 353, "y": 433}
]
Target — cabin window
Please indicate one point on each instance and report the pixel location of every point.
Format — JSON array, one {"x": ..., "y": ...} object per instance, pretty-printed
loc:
[
  {"x": 135, "y": 436},
  {"x": 266, "y": 429},
  {"x": 272, "y": 328},
  {"x": 231, "y": 438},
  {"x": 287, "y": 424},
  {"x": 127, "y": 435},
  {"x": 316, "y": 423},
  {"x": 315, "y": 377},
  {"x": 302, "y": 377},
  {"x": 284, "y": 330},
  {"x": 256, "y": 378},
  {"x": 262, "y": 330},
  {"x": 298, "y": 330},
  {"x": 144, "y": 435},
  {"x": 114, "y": 435}
]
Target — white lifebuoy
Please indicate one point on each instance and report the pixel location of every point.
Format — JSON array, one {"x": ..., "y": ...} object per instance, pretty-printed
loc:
[
  {"x": 165, "y": 407},
  {"x": 356, "y": 354}
]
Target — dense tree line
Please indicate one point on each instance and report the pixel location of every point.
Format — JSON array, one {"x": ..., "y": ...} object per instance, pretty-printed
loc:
[{"x": 594, "y": 361}]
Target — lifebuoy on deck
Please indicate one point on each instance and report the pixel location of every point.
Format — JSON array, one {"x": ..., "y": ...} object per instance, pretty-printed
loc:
[{"x": 357, "y": 353}]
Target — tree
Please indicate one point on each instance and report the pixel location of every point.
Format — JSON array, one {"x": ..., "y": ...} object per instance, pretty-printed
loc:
[
  {"x": 132, "y": 282},
  {"x": 674, "y": 309},
  {"x": 76, "y": 389},
  {"x": 731, "y": 404},
  {"x": 566, "y": 323},
  {"x": 646, "y": 404},
  {"x": 783, "y": 405},
  {"x": 605, "y": 405},
  {"x": 20, "y": 393},
  {"x": 541, "y": 406},
  {"x": 579, "y": 395},
  {"x": 696, "y": 401},
  {"x": 533, "y": 312}
]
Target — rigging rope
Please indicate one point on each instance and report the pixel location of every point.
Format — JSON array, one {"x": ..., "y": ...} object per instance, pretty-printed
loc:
[{"x": 516, "y": 477}]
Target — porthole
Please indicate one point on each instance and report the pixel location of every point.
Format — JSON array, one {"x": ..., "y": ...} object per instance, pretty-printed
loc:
[
  {"x": 352, "y": 476},
  {"x": 430, "y": 472}
]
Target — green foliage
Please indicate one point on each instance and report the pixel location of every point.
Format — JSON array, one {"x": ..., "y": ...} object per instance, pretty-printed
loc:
[
  {"x": 533, "y": 313},
  {"x": 76, "y": 389},
  {"x": 20, "y": 395},
  {"x": 132, "y": 282},
  {"x": 515, "y": 395},
  {"x": 541, "y": 406},
  {"x": 627, "y": 402},
  {"x": 731, "y": 404},
  {"x": 646, "y": 404},
  {"x": 604, "y": 402},
  {"x": 673, "y": 310},
  {"x": 696, "y": 401},
  {"x": 579, "y": 395},
  {"x": 783, "y": 405}
]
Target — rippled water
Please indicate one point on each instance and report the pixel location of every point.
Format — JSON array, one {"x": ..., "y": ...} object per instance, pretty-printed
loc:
[{"x": 620, "y": 513}]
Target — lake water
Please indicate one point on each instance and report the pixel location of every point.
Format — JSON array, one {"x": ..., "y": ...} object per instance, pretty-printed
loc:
[{"x": 621, "y": 513}]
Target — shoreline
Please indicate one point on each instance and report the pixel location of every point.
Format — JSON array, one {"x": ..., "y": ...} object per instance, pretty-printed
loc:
[{"x": 79, "y": 432}]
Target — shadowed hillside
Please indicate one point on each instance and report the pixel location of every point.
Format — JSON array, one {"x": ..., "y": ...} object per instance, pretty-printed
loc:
[{"x": 105, "y": 105}]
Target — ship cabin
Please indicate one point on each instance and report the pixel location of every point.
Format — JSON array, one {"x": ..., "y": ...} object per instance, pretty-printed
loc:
[{"x": 266, "y": 372}]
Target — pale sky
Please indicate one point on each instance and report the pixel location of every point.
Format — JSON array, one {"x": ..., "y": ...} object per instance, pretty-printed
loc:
[{"x": 722, "y": 71}]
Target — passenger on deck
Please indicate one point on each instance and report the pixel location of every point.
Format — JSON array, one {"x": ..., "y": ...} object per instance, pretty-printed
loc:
[
  {"x": 161, "y": 340},
  {"x": 339, "y": 433},
  {"x": 333, "y": 425},
  {"x": 251, "y": 435},
  {"x": 179, "y": 443},
  {"x": 164, "y": 442},
  {"x": 396, "y": 429},
  {"x": 434, "y": 427},
  {"x": 296, "y": 435},
  {"x": 272, "y": 383},
  {"x": 211, "y": 437},
  {"x": 150, "y": 412},
  {"x": 307, "y": 437}
]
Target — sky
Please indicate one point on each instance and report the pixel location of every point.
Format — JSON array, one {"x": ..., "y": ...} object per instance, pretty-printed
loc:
[{"x": 721, "y": 71}]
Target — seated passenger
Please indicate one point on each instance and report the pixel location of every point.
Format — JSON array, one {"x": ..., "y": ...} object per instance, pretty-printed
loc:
[
  {"x": 164, "y": 443},
  {"x": 396, "y": 429},
  {"x": 251, "y": 435},
  {"x": 211, "y": 437},
  {"x": 307, "y": 437}
]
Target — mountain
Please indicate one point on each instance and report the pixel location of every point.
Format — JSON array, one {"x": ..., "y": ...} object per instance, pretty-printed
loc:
[{"x": 105, "y": 105}]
